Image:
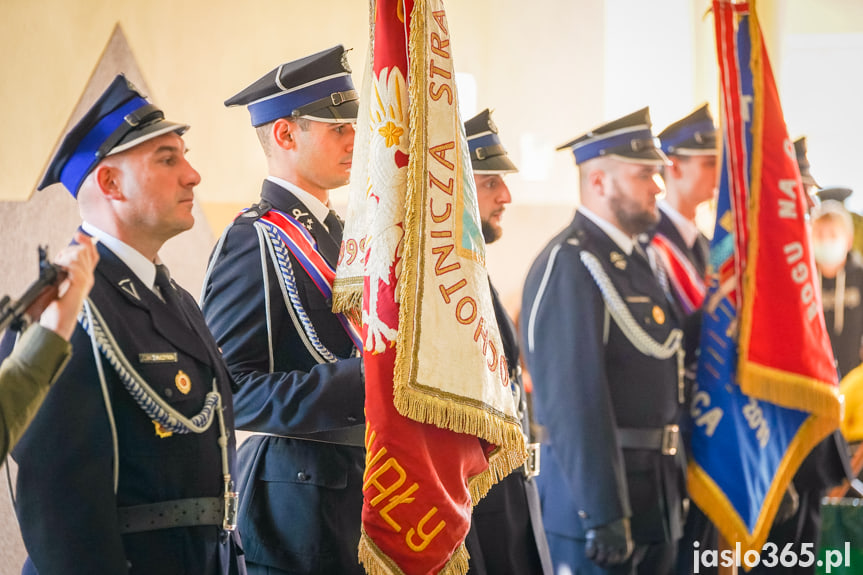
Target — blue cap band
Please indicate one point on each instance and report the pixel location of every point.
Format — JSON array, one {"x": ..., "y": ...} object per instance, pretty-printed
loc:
[
  {"x": 685, "y": 134},
  {"x": 594, "y": 149},
  {"x": 283, "y": 105},
  {"x": 86, "y": 154},
  {"x": 490, "y": 139}
]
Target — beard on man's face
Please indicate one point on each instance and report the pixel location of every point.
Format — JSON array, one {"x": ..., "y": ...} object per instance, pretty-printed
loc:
[
  {"x": 490, "y": 233},
  {"x": 633, "y": 218}
]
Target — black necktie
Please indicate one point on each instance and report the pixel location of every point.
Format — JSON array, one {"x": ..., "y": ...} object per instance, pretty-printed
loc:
[
  {"x": 701, "y": 251},
  {"x": 168, "y": 291},
  {"x": 334, "y": 224},
  {"x": 639, "y": 256}
]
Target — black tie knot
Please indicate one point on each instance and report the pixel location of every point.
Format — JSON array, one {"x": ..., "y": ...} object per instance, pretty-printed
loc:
[
  {"x": 163, "y": 280},
  {"x": 334, "y": 224}
]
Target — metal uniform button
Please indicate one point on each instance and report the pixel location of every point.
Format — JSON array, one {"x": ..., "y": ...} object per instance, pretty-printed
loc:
[
  {"x": 169, "y": 393},
  {"x": 583, "y": 514},
  {"x": 301, "y": 476}
]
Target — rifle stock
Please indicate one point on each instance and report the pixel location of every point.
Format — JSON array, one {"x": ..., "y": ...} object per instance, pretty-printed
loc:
[{"x": 19, "y": 313}]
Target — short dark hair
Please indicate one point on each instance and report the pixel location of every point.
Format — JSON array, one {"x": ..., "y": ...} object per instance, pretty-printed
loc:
[{"x": 264, "y": 131}]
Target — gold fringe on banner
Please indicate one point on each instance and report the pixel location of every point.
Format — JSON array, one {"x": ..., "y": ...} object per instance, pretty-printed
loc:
[
  {"x": 411, "y": 399},
  {"x": 348, "y": 298},
  {"x": 376, "y": 562},
  {"x": 715, "y": 504}
]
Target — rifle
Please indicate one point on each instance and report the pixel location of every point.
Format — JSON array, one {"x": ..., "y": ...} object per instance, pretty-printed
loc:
[{"x": 20, "y": 313}]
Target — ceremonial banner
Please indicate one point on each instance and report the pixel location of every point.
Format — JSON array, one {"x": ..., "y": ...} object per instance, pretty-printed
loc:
[
  {"x": 441, "y": 424},
  {"x": 766, "y": 386}
]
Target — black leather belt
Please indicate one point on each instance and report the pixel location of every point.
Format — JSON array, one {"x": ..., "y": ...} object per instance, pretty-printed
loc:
[
  {"x": 168, "y": 514},
  {"x": 664, "y": 439},
  {"x": 353, "y": 436}
]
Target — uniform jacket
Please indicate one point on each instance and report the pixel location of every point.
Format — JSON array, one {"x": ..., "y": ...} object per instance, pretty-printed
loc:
[
  {"x": 506, "y": 533},
  {"x": 300, "y": 500},
  {"x": 66, "y": 503},
  {"x": 590, "y": 381}
]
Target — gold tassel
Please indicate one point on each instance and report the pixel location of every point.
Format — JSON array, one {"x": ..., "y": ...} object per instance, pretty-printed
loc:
[
  {"x": 348, "y": 296},
  {"x": 376, "y": 562}
]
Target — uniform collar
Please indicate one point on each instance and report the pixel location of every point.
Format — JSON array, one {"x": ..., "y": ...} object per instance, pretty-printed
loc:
[
  {"x": 623, "y": 241},
  {"x": 143, "y": 268},
  {"x": 688, "y": 230},
  {"x": 313, "y": 204}
]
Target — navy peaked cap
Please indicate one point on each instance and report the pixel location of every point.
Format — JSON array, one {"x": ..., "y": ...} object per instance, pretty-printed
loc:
[
  {"x": 487, "y": 154},
  {"x": 628, "y": 138},
  {"x": 119, "y": 120},
  {"x": 803, "y": 162},
  {"x": 835, "y": 193},
  {"x": 318, "y": 87},
  {"x": 694, "y": 135}
]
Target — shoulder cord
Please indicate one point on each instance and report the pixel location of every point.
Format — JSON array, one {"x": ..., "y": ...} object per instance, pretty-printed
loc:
[
  {"x": 630, "y": 328},
  {"x": 149, "y": 401},
  {"x": 153, "y": 405},
  {"x": 269, "y": 317},
  {"x": 279, "y": 254},
  {"x": 623, "y": 318}
]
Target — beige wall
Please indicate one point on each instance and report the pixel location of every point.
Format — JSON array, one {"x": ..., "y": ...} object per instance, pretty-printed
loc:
[{"x": 544, "y": 65}]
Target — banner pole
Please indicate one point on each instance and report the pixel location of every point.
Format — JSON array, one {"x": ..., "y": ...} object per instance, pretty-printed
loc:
[{"x": 723, "y": 547}]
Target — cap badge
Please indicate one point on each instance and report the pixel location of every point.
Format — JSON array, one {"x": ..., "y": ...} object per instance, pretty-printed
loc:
[
  {"x": 183, "y": 383},
  {"x": 345, "y": 66}
]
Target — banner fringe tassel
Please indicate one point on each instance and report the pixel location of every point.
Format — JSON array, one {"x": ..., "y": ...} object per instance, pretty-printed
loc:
[{"x": 376, "y": 562}]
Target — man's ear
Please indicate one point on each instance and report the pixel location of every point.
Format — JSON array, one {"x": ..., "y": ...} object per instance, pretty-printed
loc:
[
  {"x": 596, "y": 180},
  {"x": 673, "y": 170},
  {"x": 283, "y": 133},
  {"x": 108, "y": 180}
]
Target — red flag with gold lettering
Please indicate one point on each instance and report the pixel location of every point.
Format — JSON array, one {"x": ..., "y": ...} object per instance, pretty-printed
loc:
[
  {"x": 441, "y": 425},
  {"x": 765, "y": 392}
]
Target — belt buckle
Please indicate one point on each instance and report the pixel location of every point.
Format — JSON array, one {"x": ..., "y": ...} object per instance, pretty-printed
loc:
[
  {"x": 670, "y": 439},
  {"x": 229, "y": 519},
  {"x": 532, "y": 463}
]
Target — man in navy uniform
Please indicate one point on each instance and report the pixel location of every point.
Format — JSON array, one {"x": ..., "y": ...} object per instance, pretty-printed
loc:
[
  {"x": 506, "y": 533},
  {"x": 604, "y": 351},
  {"x": 690, "y": 180},
  {"x": 268, "y": 303},
  {"x": 127, "y": 468}
]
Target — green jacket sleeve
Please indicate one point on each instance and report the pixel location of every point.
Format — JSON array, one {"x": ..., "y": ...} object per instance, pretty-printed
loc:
[{"x": 25, "y": 377}]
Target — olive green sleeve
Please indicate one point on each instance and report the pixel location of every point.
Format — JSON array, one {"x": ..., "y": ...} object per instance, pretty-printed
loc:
[{"x": 25, "y": 377}]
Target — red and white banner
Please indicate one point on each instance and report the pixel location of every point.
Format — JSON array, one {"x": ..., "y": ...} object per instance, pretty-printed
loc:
[{"x": 441, "y": 423}]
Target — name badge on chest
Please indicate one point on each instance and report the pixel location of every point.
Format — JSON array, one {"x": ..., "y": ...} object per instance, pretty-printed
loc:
[{"x": 166, "y": 357}]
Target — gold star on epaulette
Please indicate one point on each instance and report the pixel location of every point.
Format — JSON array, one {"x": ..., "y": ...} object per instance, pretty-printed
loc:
[{"x": 618, "y": 260}]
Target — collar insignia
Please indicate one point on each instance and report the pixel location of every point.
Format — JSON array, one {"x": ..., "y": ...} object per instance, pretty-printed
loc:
[
  {"x": 129, "y": 287},
  {"x": 618, "y": 260}
]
